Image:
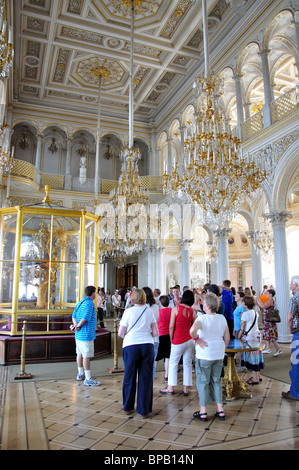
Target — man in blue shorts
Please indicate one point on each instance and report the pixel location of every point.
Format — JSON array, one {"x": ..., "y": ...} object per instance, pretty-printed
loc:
[{"x": 84, "y": 323}]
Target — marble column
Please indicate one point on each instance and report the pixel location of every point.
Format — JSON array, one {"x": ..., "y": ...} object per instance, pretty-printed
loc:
[
  {"x": 169, "y": 155},
  {"x": 256, "y": 261},
  {"x": 68, "y": 178},
  {"x": 160, "y": 282},
  {"x": 159, "y": 162},
  {"x": 151, "y": 267},
  {"x": 295, "y": 6},
  {"x": 38, "y": 156},
  {"x": 143, "y": 269},
  {"x": 182, "y": 132},
  {"x": 240, "y": 113},
  {"x": 214, "y": 262},
  {"x": 223, "y": 262},
  {"x": 278, "y": 219},
  {"x": 247, "y": 110},
  {"x": 153, "y": 163},
  {"x": 185, "y": 253},
  {"x": 264, "y": 53}
]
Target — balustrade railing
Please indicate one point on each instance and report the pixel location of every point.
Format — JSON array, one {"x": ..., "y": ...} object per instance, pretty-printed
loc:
[
  {"x": 26, "y": 170},
  {"x": 280, "y": 108},
  {"x": 284, "y": 105}
]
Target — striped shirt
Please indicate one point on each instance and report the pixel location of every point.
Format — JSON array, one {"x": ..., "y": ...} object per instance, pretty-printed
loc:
[
  {"x": 294, "y": 309},
  {"x": 85, "y": 309}
]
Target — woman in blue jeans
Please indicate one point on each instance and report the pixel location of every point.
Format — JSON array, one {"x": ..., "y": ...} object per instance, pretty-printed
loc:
[
  {"x": 212, "y": 336},
  {"x": 137, "y": 328}
]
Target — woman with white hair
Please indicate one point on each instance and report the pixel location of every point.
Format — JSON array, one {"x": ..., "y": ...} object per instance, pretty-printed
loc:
[{"x": 212, "y": 336}]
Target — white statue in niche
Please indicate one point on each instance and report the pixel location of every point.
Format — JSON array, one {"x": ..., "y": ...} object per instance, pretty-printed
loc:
[
  {"x": 83, "y": 170},
  {"x": 171, "y": 280}
]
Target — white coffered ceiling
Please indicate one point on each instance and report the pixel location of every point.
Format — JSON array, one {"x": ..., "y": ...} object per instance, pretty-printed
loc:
[{"x": 58, "y": 42}]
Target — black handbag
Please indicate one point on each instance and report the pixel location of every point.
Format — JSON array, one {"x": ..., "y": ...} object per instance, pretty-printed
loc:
[{"x": 272, "y": 315}]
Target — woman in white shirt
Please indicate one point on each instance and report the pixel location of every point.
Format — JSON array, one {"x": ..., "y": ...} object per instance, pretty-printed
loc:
[
  {"x": 211, "y": 333},
  {"x": 138, "y": 327},
  {"x": 250, "y": 333},
  {"x": 116, "y": 302}
]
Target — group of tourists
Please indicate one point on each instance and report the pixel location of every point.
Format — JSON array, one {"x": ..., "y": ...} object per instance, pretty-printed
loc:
[{"x": 192, "y": 326}]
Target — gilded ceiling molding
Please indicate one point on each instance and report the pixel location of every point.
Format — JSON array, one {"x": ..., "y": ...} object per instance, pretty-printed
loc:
[{"x": 176, "y": 18}]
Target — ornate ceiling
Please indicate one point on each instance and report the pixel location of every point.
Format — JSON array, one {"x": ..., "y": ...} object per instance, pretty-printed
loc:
[{"x": 58, "y": 42}]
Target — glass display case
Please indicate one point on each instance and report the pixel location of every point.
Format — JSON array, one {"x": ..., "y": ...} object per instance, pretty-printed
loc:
[{"x": 48, "y": 256}]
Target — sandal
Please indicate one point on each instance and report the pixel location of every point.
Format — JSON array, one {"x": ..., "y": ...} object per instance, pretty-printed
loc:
[
  {"x": 251, "y": 378},
  {"x": 200, "y": 416},
  {"x": 221, "y": 415},
  {"x": 251, "y": 382},
  {"x": 166, "y": 392},
  {"x": 288, "y": 396}
]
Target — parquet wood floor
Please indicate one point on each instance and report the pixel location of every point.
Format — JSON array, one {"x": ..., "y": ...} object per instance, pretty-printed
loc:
[{"x": 64, "y": 415}]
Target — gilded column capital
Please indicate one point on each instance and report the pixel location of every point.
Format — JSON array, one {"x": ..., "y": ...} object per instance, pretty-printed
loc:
[
  {"x": 222, "y": 232},
  {"x": 278, "y": 217}
]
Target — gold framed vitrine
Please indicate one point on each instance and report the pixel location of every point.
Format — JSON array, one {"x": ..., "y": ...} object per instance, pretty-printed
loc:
[{"x": 49, "y": 254}]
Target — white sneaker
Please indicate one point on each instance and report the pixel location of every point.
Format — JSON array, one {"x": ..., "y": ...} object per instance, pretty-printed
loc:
[
  {"x": 91, "y": 383},
  {"x": 80, "y": 377},
  {"x": 267, "y": 351},
  {"x": 277, "y": 353}
]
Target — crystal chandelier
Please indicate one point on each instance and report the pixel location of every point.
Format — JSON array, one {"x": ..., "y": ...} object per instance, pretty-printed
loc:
[
  {"x": 6, "y": 154},
  {"x": 213, "y": 173},
  {"x": 264, "y": 239},
  {"x": 101, "y": 72},
  {"x": 81, "y": 150},
  {"x": 108, "y": 153},
  {"x": 6, "y": 48},
  {"x": 23, "y": 142},
  {"x": 53, "y": 147},
  {"x": 130, "y": 202}
]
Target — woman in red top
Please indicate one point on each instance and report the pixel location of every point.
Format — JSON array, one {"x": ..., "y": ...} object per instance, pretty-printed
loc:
[
  {"x": 182, "y": 318},
  {"x": 164, "y": 338}
]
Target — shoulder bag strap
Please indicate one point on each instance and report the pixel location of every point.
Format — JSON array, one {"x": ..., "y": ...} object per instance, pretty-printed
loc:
[
  {"x": 79, "y": 304},
  {"x": 136, "y": 321},
  {"x": 246, "y": 332}
]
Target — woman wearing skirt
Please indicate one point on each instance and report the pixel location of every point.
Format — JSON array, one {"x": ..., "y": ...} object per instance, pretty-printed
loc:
[{"x": 250, "y": 333}]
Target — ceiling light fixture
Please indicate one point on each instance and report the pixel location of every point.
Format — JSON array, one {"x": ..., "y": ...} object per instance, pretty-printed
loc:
[{"x": 213, "y": 173}]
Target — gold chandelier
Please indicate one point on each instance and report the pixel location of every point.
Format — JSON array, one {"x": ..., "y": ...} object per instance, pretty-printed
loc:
[
  {"x": 6, "y": 47},
  {"x": 214, "y": 173},
  {"x": 129, "y": 201},
  {"x": 6, "y": 154}
]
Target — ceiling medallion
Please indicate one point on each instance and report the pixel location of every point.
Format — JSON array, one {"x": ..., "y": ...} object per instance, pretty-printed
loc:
[
  {"x": 91, "y": 69},
  {"x": 141, "y": 7}
]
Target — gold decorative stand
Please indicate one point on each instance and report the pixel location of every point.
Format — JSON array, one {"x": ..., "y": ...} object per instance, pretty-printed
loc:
[
  {"x": 23, "y": 374},
  {"x": 233, "y": 386},
  {"x": 115, "y": 369}
]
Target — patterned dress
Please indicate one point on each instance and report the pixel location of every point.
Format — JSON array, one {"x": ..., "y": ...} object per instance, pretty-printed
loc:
[{"x": 269, "y": 328}]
